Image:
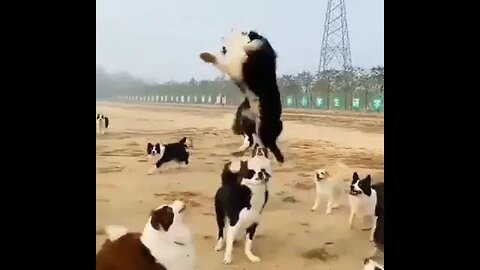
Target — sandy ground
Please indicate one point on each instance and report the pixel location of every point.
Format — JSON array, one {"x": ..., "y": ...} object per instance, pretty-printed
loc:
[{"x": 290, "y": 235}]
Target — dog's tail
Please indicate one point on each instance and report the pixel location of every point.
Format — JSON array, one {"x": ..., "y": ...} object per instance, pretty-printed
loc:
[{"x": 115, "y": 231}]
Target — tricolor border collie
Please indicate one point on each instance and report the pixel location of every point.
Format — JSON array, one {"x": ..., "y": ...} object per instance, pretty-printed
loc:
[
  {"x": 163, "y": 153},
  {"x": 165, "y": 243},
  {"x": 102, "y": 123},
  {"x": 239, "y": 203},
  {"x": 250, "y": 61}
]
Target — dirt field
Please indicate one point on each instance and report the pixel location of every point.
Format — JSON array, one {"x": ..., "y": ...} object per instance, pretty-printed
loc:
[{"x": 290, "y": 235}]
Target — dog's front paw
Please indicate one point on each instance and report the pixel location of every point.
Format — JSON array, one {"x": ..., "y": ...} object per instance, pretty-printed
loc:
[
  {"x": 253, "y": 258},
  {"x": 329, "y": 211},
  {"x": 227, "y": 259},
  {"x": 208, "y": 58}
]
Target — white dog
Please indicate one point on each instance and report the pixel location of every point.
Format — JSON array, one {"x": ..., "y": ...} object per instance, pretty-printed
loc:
[
  {"x": 328, "y": 187},
  {"x": 363, "y": 200}
]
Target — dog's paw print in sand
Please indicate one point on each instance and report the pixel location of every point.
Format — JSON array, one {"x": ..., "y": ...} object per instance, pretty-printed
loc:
[
  {"x": 185, "y": 196},
  {"x": 110, "y": 169},
  {"x": 319, "y": 254},
  {"x": 122, "y": 152},
  {"x": 290, "y": 199},
  {"x": 304, "y": 185}
]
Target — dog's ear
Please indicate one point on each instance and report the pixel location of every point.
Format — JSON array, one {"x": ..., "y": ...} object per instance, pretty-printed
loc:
[
  {"x": 355, "y": 176},
  {"x": 265, "y": 151},
  {"x": 252, "y": 35},
  {"x": 244, "y": 171},
  {"x": 183, "y": 140},
  {"x": 149, "y": 148},
  {"x": 368, "y": 180},
  {"x": 162, "y": 217}
]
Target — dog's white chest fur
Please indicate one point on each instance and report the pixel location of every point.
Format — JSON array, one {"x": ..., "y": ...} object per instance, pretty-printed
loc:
[
  {"x": 173, "y": 249},
  {"x": 101, "y": 126},
  {"x": 247, "y": 217},
  {"x": 362, "y": 204},
  {"x": 157, "y": 156}
]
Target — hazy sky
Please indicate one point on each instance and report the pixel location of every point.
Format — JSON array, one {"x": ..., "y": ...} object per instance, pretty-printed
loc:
[{"x": 160, "y": 40}]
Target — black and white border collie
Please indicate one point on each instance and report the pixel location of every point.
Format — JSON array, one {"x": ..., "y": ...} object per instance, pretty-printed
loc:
[
  {"x": 165, "y": 243},
  {"x": 378, "y": 235},
  {"x": 363, "y": 200},
  {"x": 370, "y": 264},
  {"x": 239, "y": 203},
  {"x": 250, "y": 61},
  {"x": 163, "y": 153},
  {"x": 102, "y": 123}
]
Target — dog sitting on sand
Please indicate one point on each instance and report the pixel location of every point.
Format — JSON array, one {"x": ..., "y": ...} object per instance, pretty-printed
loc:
[{"x": 165, "y": 244}]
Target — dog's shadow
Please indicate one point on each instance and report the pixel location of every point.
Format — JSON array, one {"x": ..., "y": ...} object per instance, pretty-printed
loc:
[{"x": 238, "y": 153}]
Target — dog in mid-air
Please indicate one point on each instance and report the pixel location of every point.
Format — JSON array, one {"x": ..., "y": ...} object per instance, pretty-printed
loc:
[
  {"x": 239, "y": 203},
  {"x": 162, "y": 153},
  {"x": 102, "y": 123},
  {"x": 250, "y": 61}
]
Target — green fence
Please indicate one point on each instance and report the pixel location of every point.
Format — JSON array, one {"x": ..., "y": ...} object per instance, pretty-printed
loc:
[{"x": 361, "y": 102}]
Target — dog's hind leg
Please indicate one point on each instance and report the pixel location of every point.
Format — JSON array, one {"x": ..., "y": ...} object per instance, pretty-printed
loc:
[
  {"x": 231, "y": 233},
  {"x": 277, "y": 153},
  {"x": 187, "y": 156},
  {"x": 248, "y": 243},
  {"x": 374, "y": 227},
  {"x": 317, "y": 201},
  {"x": 221, "y": 226},
  {"x": 350, "y": 220},
  {"x": 336, "y": 194},
  {"x": 245, "y": 145}
]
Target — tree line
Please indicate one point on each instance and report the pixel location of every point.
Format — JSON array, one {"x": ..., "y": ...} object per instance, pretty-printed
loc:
[{"x": 354, "y": 82}]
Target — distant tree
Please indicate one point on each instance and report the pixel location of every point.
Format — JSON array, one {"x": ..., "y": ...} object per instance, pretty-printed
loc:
[{"x": 306, "y": 82}]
